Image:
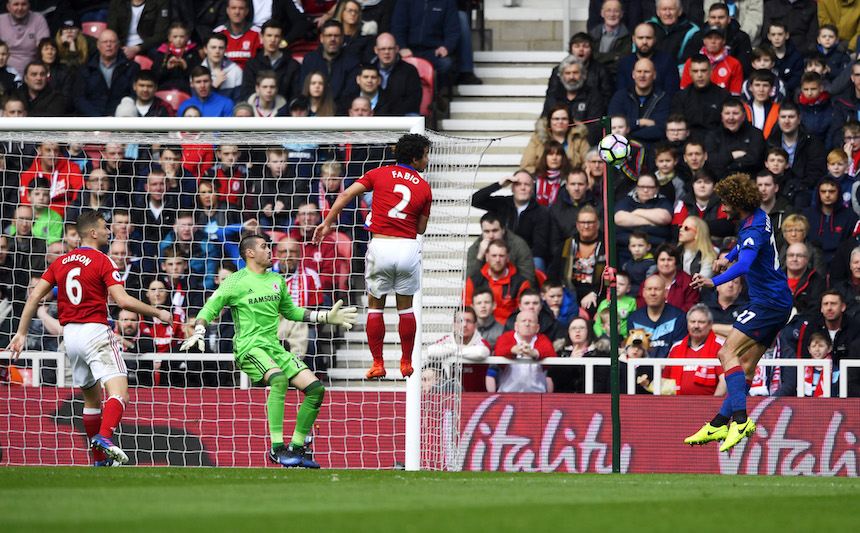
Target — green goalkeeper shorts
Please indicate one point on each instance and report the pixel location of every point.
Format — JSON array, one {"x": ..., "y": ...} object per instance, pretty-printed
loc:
[{"x": 258, "y": 361}]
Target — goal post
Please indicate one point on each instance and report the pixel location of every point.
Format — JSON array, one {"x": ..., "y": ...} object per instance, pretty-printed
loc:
[{"x": 364, "y": 423}]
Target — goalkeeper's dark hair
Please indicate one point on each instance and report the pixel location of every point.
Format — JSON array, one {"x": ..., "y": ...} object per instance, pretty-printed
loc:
[
  {"x": 410, "y": 147},
  {"x": 247, "y": 242},
  {"x": 740, "y": 192},
  {"x": 88, "y": 220}
]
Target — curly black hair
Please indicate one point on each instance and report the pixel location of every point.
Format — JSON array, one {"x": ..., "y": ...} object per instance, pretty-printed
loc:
[
  {"x": 740, "y": 192},
  {"x": 410, "y": 147}
]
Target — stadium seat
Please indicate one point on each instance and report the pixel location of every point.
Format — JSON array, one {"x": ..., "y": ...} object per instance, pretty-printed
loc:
[
  {"x": 144, "y": 62},
  {"x": 173, "y": 97},
  {"x": 300, "y": 49},
  {"x": 428, "y": 81},
  {"x": 93, "y": 29},
  {"x": 541, "y": 277}
]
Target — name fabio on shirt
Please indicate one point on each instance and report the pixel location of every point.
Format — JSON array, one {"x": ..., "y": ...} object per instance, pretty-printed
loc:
[{"x": 399, "y": 174}]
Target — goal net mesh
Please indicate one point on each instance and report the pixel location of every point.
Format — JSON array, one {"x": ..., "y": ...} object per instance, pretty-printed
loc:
[{"x": 177, "y": 204}]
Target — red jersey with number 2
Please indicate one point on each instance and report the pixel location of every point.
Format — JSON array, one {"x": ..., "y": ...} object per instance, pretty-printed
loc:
[
  {"x": 400, "y": 197},
  {"x": 82, "y": 277}
]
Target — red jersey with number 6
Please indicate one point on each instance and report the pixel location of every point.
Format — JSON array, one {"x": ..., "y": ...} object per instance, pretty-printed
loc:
[
  {"x": 82, "y": 277},
  {"x": 400, "y": 197}
]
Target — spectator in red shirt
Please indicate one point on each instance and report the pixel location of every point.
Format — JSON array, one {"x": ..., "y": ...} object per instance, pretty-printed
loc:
[
  {"x": 699, "y": 343},
  {"x": 243, "y": 37},
  {"x": 523, "y": 342},
  {"x": 501, "y": 276},
  {"x": 65, "y": 177}
]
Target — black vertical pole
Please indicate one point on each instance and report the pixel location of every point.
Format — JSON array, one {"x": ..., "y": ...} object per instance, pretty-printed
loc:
[{"x": 612, "y": 261}]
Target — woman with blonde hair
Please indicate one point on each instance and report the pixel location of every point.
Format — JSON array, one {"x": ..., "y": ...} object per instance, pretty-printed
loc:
[
  {"x": 316, "y": 88},
  {"x": 73, "y": 46},
  {"x": 694, "y": 240},
  {"x": 556, "y": 127},
  {"x": 795, "y": 228}
]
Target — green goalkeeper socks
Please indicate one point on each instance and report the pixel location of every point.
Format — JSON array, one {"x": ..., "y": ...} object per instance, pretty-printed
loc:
[
  {"x": 310, "y": 408},
  {"x": 278, "y": 383}
]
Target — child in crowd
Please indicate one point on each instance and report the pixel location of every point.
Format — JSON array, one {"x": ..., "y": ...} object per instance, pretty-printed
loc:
[
  {"x": 851, "y": 138},
  {"x": 828, "y": 45},
  {"x": 820, "y": 347},
  {"x": 815, "y": 107},
  {"x": 626, "y": 305},
  {"x": 633, "y": 166},
  {"x": 776, "y": 161},
  {"x": 552, "y": 168},
  {"x": 762, "y": 110},
  {"x": 642, "y": 260},
  {"x": 763, "y": 58},
  {"x": 229, "y": 175},
  {"x": 174, "y": 59},
  {"x": 47, "y": 223},
  {"x": 561, "y": 301},
  {"x": 837, "y": 168},
  {"x": 665, "y": 161},
  {"x": 789, "y": 62}
]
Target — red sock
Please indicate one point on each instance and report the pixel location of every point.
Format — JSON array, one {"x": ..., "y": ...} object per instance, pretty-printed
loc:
[
  {"x": 375, "y": 334},
  {"x": 112, "y": 414},
  {"x": 407, "y": 328},
  {"x": 92, "y": 424}
]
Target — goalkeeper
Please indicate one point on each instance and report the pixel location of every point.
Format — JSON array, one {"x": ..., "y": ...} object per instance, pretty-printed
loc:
[{"x": 256, "y": 297}]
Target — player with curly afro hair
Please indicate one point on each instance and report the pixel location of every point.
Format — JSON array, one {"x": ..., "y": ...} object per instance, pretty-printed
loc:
[
  {"x": 740, "y": 193},
  {"x": 763, "y": 317}
]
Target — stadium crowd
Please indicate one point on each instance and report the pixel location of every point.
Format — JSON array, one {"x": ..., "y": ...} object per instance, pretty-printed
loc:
[{"x": 701, "y": 89}]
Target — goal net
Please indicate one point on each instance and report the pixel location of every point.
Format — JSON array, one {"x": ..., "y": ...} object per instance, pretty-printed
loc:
[{"x": 178, "y": 195}]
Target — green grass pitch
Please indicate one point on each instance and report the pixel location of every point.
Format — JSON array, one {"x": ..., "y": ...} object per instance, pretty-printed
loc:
[{"x": 36, "y": 499}]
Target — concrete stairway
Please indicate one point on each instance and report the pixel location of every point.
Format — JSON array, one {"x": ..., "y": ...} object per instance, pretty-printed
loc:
[{"x": 504, "y": 108}]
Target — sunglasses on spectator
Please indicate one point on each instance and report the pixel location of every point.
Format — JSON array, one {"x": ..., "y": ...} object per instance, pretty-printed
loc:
[{"x": 691, "y": 228}]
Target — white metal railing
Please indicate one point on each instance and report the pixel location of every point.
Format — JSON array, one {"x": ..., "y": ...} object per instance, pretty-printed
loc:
[
  {"x": 659, "y": 363},
  {"x": 588, "y": 362},
  {"x": 844, "y": 365}
]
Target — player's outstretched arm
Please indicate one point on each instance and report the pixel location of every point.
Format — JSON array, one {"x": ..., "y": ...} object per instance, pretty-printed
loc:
[
  {"x": 342, "y": 200},
  {"x": 422, "y": 224},
  {"x": 20, "y": 339},
  {"x": 130, "y": 303}
]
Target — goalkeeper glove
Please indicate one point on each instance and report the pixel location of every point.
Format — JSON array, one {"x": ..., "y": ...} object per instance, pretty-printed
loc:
[
  {"x": 339, "y": 317},
  {"x": 196, "y": 339}
]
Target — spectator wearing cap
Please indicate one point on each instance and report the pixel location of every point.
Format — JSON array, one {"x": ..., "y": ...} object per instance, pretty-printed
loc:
[
  {"x": 74, "y": 46},
  {"x": 726, "y": 71},
  {"x": 105, "y": 79},
  {"x": 209, "y": 103},
  {"x": 22, "y": 30},
  {"x": 140, "y": 24}
]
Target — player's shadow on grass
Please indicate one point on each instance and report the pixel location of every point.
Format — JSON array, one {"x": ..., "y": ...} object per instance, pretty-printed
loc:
[{"x": 144, "y": 444}]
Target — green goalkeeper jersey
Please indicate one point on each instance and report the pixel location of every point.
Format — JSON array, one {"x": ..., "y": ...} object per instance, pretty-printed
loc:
[{"x": 255, "y": 301}]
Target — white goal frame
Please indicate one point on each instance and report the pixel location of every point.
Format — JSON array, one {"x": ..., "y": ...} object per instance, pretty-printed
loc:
[{"x": 32, "y": 125}]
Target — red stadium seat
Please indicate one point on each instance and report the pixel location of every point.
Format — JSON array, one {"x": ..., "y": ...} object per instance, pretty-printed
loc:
[
  {"x": 428, "y": 81},
  {"x": 541, "y": 277},
  {"x": 173, "y": 97},
  {"x": 93, "y": 29},
  {"x": 144, "y": 62}
]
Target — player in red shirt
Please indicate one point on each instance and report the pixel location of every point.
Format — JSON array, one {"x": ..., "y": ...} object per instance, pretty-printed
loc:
[
  {"x": 84, "y": 278},
  {"x": 399, "y": 212}
]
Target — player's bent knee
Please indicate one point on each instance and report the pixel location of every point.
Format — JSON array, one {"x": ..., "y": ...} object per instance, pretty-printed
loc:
[{"x": 316, "y": 393}]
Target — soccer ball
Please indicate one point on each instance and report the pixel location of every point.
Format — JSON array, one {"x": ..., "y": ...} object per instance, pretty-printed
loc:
[{"x": 613, "y": 149}]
